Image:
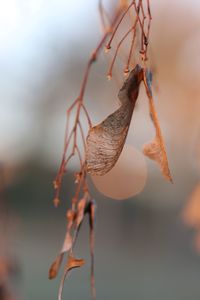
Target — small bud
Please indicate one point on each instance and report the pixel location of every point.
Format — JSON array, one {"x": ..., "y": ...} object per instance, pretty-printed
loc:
[
  {"x": 107, "y": 48},
  {"x": 55, "y": 184},
  {"x": 78, "y": 177},
  {"x": 70, "y": 215},
  {"x": 109, "y": 76},
  {"x": 56, "y": 202},
  {"x": 93, "y": 56},
  {"x": 126, "y": 71},
  {"x": 142, "y": 51}
]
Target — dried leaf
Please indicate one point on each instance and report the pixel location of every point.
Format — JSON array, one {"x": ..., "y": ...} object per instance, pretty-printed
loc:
[
  {"x": 155, "y": 150},
  {"x": 92, "y": 211},
  {"x": 53, "y": 271},
  {"x": 80, "y": 212},
  {"x": 72, "y": 263},
  {"x": 67, "y": 245},
  {"x": 106, "y": 140}
]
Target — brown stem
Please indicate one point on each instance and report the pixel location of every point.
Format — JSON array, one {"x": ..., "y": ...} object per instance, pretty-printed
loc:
[{"x": 108, "y": 46}]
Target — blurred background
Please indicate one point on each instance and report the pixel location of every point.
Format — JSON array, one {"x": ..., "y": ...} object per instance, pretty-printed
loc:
[{"x": 144, "y": 248}]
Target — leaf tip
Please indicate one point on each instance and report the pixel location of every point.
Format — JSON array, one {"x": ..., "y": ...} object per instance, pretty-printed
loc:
[{"x": 52, "y": 271}]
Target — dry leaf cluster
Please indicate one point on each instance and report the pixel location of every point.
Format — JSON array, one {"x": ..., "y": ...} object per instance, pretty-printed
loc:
[{"x": 104, "y": 142}]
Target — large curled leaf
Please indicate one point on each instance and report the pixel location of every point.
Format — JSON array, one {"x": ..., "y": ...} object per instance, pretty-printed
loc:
[{"x": 106, "y": 140}]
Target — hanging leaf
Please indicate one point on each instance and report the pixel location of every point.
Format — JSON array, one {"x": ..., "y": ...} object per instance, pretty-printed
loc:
[
  {"x": 53, "y": 271},
  {"x": 72, "y": 263},
  {"x": 106, "y": 140},
  {"x": 75, "y": 221},
  {"x": 67, "y": 245},
  {"x": 80, "y": 212},
  {"x": 155, "y": 150}
]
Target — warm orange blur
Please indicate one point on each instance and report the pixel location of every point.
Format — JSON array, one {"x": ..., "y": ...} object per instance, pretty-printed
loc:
[{"x": 127, "y": 178}]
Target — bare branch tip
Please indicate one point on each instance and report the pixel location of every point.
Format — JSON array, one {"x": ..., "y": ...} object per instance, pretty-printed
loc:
[
  {"x": 56, "y": 202},
  {"x": 126, "y": 72}
]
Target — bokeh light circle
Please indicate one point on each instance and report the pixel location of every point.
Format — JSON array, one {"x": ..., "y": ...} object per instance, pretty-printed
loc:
[{"x": 126, "y": 179}]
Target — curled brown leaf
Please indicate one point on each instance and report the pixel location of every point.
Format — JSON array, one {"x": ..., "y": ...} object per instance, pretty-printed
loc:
[
  {"x": 106, "y": 140},
  {"x": 73, "y": 263}
]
